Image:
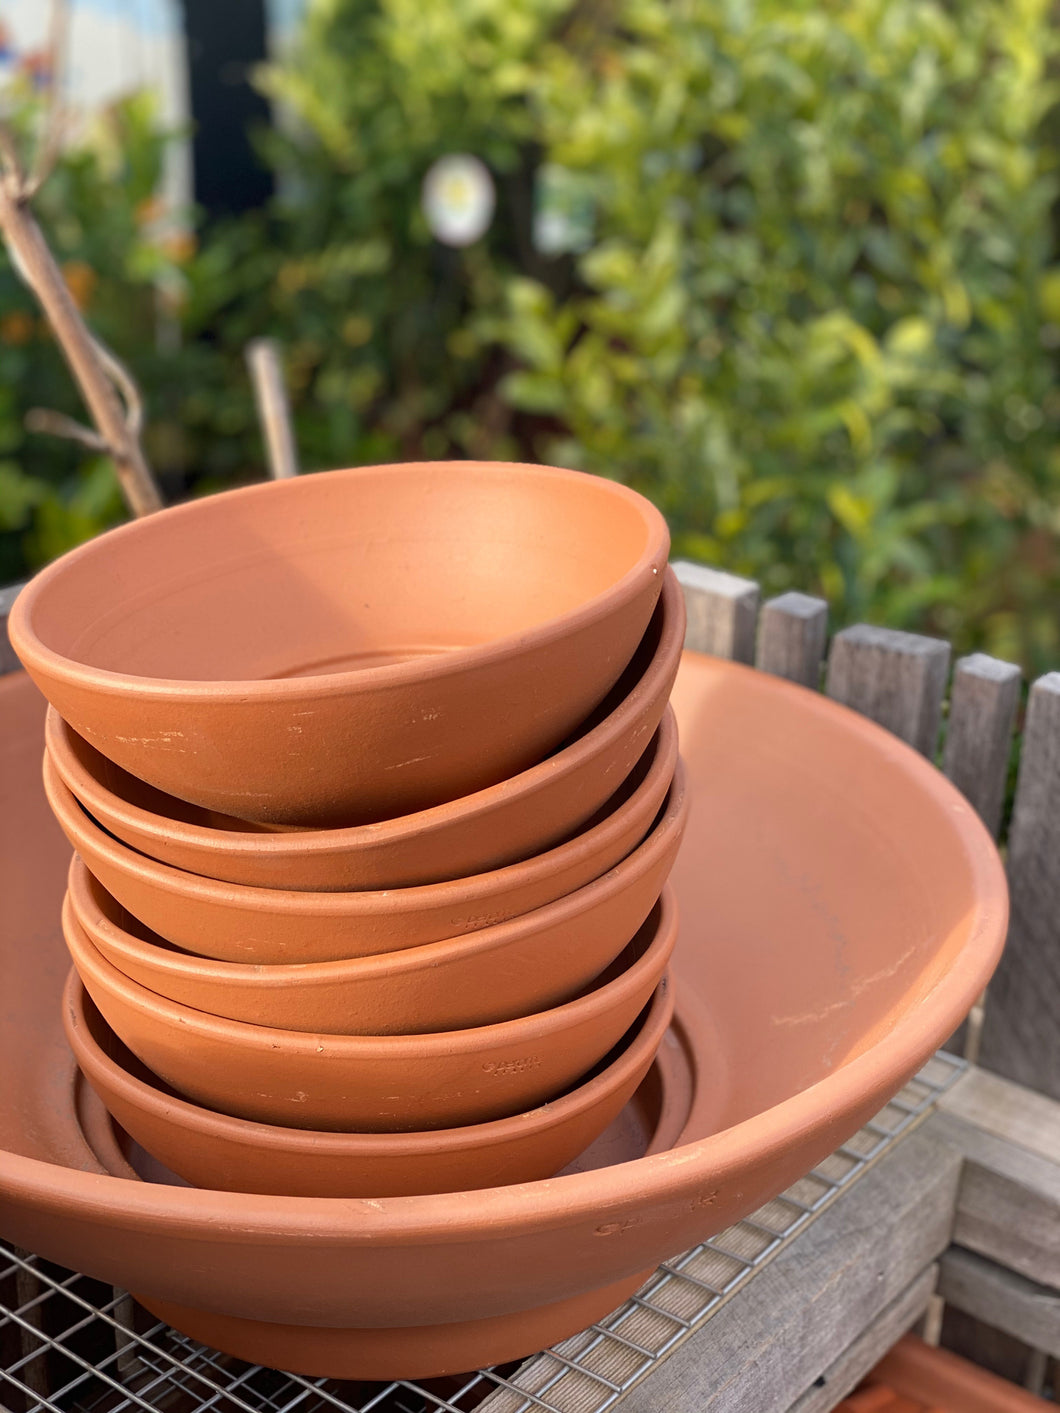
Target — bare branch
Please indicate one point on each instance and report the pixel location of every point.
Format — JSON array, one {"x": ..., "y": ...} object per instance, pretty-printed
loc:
[
  {"x": 14, "y": 173},
  {"x": 52, "y": 131},
  {"x": 106, "y": 385},
  {"x": 57, "y": 424},
  {"x": 94, "y": 373},
  {"x": 126, "y": 384}
]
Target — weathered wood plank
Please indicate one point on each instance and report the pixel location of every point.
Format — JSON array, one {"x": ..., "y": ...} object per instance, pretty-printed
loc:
[
  {"x": 791, "y": 636},
  {"x": 766, "y": 1347},
  {"x": 984, "y": 696},
  {"x": 1021, "y": 1034},
  {"x": 722, "y": 611},
  {"x": 870, "y": 1346},
  {"x": 997, "y": 1106},
  {"x": 1001, "y": 1298},
  {"x": 1008, "y": 1203},
  {"x": 898, "y": 679},
  {"x": 8, "y": 661}
]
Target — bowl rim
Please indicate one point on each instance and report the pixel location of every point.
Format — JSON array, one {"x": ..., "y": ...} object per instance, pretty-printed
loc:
[
  {"x": 472, "y": 888},
  {"x": 39, "y": 656},
  {"x": 282, "y": 902},
  {"x": 401, "y": 828},
  {"x": 595, "y": 1001},
  {"x": 647, "y": 1031},
  {"x": 683, "y": 1172}
]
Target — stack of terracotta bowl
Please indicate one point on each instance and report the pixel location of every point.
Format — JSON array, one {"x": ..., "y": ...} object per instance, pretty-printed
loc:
[{"x": 374, "y": 791}]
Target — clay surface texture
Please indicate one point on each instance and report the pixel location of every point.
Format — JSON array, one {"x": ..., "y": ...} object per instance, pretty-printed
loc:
[
  {"x": 523, "y": 815},
  {"x": 215, "y": 1151},
  {"x": 352, "y": 645}
]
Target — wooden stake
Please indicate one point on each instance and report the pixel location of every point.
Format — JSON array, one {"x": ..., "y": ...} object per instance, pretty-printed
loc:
[{"x": 266, "y": 375}]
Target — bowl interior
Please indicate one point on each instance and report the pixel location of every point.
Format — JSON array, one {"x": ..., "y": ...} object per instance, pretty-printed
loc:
[
  {"x": 342, "y": 571},
  {"x": 824, "y": 892}
]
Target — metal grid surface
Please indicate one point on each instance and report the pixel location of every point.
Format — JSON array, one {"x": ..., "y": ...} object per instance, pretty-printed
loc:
[{"x": 69, "y": 1344}]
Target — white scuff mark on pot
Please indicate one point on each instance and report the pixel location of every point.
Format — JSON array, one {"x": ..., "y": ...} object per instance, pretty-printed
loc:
[
  {"x": 855, "y": 991},
  {"x": 400, "y": 765},
  {"x": 164, "y": 739}
]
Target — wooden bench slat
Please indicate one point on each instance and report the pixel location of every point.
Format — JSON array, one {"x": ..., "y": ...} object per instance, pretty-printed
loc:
[
  {"x": 1021, "y": 1033},
  {"x": 791, "y": 636},
  {"x": 868, "y": 1349},
  {"x": 1002, "y": 1299},
  {"x": 897, "y": 679},
  {"x": 983, "y": 701},
  {"x": 764, "y": 1348},
  {"x": 722, "y": 611},
  {"x": 1008, "y": 1203}
]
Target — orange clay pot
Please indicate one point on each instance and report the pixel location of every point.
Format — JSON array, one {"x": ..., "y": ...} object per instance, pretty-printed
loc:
[
  {"x": 352, "y": 645},
  {"x": 843, "y": 907},
  {"x": 916, "y": 1378},
  {"x": 502, "y": 824},
  {"x": 513, "y": 968},
  {"x": 378, "y": 1084},
  {"x": 650, "y": 1122},
  {"x": 233, "y": 921},
  {"x": 213, "y": 1150},
  {"x": 495, "y": 968}
]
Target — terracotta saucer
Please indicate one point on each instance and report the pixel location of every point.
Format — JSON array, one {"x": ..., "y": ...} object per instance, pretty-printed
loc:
[
  {"x": 842, "y": 909},
  {"x": 379, "y": 1083},
  {"x": 348, "y": 646},
  {"x": 915, "y": 1377},
  {"x": 214, "y": 1150},
  {"x": 652, "y": 1120},
  {"x": 466, "y": 953},
  {"x": 513, "y": 968},
  {"x": 519, "y": 817}
]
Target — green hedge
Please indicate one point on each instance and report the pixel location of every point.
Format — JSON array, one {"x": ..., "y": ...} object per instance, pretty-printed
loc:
[{"x": 810, "y": 307}]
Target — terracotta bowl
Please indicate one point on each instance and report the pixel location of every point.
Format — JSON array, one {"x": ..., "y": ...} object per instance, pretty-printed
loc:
[
  {"x": 502, "y": 824},
  {"x": 651, "y": 1121},
  {"x": 371, "y": 1083},
  {"x": 514, "y": 968},
  {"x": 213, "y": 1150},
  {"x": 231, "y": 920},
  {"x": 352, "y": 645},
  {"x": 842, "y": 907},
  {"x": 526, "y": 962}
]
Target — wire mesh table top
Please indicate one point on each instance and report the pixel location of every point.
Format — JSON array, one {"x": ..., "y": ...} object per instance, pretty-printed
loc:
[{"x": 70, "y": 1344}]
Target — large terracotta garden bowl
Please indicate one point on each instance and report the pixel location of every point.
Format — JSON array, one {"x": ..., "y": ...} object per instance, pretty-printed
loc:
[
  {"x": 522, "y": 964},
  {"x": 352, "y": 645},
  {"x": 235, "y": 921},
  {"x": 377, "y": 1083},
  {"x": 842, "y": 908},
  {"x": 502, "y": 824},
  {"x": 215, "y": 1151}
]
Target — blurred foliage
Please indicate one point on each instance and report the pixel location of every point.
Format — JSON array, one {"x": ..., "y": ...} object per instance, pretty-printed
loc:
[
  {"x": 101, "y": 213},
  {"x": 809, "y": 305}
]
